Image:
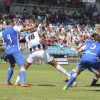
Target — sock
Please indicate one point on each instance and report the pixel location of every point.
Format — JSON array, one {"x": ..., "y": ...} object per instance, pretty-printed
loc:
[
  {"x": 72, "y": 71},
  {"x": 72, "y": 78},
  {"x": 10, "y": 73},
  {"x": 95, "y": 79},
  {"x": 18, "y": 78},
  {"x": 62, "y": 70},
  {"x": 23, "y": 75}
]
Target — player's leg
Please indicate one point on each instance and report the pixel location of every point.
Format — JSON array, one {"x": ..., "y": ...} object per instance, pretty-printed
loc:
[
  {"x": 49, "y": 59},
  {"x": 96, "y": 77},
  {"x": 71, "y": 73},
  {"x": 62, "y": 70},
  {"x": 59, "y": 67},
  {"x": 18, "y": 77},
  {"x": 10, "y": 69},
  {"x": 72, "y": 78},
  {"x": 94, "y": 81},
  {"x": 31, "y": 59},
  {"x": 20, "y": 61}
]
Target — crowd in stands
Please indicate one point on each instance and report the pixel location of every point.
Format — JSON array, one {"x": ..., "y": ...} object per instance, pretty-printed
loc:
[{"x": 59, "y": 28}]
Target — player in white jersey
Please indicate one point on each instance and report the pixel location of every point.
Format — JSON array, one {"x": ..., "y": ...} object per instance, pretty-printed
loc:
[{"x": 37, "y": 51}]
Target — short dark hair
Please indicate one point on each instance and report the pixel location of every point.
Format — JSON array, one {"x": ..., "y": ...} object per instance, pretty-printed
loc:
[
  {"x": 97, "y": 38},
  {"x": 94, "y": 34},
  {"x": 8, "y": 21}
]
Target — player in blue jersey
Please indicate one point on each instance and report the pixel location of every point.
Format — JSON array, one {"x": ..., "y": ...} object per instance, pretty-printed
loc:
[
  {"x": 89, "y": 59},
  {"x": 95, "y": 79},
  {"x": 10, "y": 36},
  {"x": 80, "y": 54}
]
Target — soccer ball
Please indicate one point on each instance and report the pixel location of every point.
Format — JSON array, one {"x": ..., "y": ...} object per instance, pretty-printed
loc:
[{"x": 74, "y": 84}]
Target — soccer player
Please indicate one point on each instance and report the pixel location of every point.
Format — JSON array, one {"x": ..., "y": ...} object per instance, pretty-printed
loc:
[
  {"x": 10, "y": 36},
  {"x": 90, "y": 59},
  {"x": 95, "y": 79},
  {"x": 37, "y": 47}
]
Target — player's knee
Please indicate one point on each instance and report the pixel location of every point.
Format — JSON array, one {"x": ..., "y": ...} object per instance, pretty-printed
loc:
[
  {"x": 13, "y": 65},
  {"x": 53, "y": 63}
]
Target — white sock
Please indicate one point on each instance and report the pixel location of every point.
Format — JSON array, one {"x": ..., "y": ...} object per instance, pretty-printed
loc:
[
  {"x": 18, "y": 79},
  {"x": 62, "y": 70},
  {"x": 10, "y": 68},
  {"x": 96, "y": 78}
]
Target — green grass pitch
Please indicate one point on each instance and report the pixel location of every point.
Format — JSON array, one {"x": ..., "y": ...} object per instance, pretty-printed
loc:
[{"x": 47, "y": 84}]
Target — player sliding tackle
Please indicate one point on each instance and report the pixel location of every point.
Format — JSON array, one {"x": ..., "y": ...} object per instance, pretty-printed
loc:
[
  {"x": 90, "y": 59},
  {"x": 37, "y": 47}
]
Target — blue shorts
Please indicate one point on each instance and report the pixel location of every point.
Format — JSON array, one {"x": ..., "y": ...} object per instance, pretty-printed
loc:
[
  {"x": 16, "y": 58},
  {"x": 87, "y": 65}
]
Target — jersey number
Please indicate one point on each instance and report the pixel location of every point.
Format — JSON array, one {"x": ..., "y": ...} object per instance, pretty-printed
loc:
[
  {"x": 93, "y": 46},
  {"x": 9, "y": 38},
  {"x": 30, "y": 37}
]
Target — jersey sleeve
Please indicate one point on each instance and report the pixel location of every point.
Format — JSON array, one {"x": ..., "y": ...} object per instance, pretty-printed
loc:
[
  {"x": 0, "y": 34},
  {"x": 17, "y": 28}
]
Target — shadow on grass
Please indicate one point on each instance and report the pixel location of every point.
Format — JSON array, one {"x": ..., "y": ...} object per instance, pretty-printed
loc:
[
  {"x": 96, "y": 85},
  {"x": 94, "y": 90},
  {"x": 40, "y": 85},
  {"x": 43, "y": 85}
]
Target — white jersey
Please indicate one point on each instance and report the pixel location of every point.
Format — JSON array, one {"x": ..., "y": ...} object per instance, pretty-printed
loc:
[
  {"x": 33, "y": 42},
  {"x": 37, "y": 50},
  {"x": 32, "y": 39}
]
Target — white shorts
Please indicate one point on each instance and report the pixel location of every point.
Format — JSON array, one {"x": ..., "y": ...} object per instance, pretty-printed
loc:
[{"x": 42, "y": 55}]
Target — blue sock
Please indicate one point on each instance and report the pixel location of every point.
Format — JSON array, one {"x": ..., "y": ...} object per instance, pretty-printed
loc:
[
  {"x": 95, "y": 79},
  {"x": 72, "y": 71},
  {"x": 10, "y": 73},
  {"x": 23, "y": 75},
  {"x": 72, "y": 78}
]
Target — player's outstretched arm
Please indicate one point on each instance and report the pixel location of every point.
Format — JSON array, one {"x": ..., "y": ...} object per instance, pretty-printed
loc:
[{"x": 29, "y": 28}]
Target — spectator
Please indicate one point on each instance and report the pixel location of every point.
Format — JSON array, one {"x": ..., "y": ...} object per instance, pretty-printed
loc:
[
  {"x": 90, "y": 9},
  {"x": 95, "y": 9},
  {"x": 35, "y": 12},
  {"x": 25, "y": 11},
  {"x": 42, "y": 13},
  {"x": 11, "y": 16},
  {"x": 7, "y": 2},
  {"x": 76, "y": 40},
  {"x": 78, "y": 3},
  {"x": 68, "y": 13},
  {"x": 17, "y": 15},
  {"x": 63, "y": 18}
]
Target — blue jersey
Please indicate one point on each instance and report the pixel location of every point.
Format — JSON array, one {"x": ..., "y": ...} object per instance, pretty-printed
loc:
[
  {"x": 88, "y": 40},
  {"x": 91, "y": 52},
  {"x": 10, "y": 36}
]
